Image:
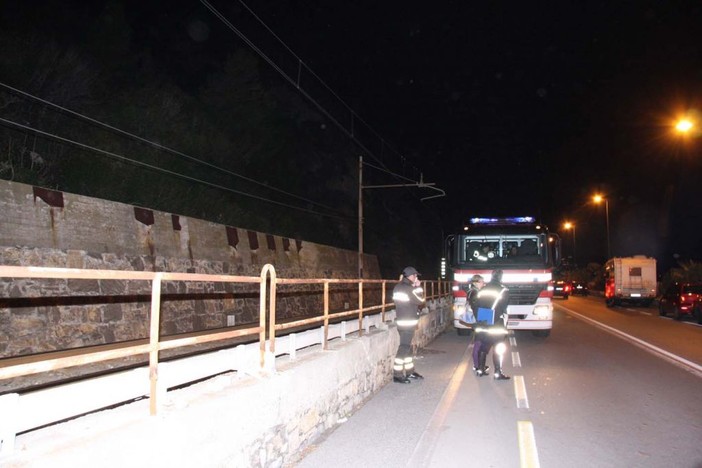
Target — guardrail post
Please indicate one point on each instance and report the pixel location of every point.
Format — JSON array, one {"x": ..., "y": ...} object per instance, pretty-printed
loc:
[
  {"x": 326, "y": 315},
  {"x": 382, "y": 302},
  {"x": 360, "y": 307},
  {"x": 154, "y": 342},
  {"x": 265, "y": 271}
]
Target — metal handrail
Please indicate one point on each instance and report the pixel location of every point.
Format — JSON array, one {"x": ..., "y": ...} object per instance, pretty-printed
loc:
[{"x": 268, "y": 282}]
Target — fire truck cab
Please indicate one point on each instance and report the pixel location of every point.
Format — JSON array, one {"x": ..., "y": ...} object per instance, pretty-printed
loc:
[{"x": 526, "y": 253}]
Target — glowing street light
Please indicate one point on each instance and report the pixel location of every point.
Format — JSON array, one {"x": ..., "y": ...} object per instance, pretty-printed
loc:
[
  {"x": 684, "y": 125},
  {"x": 597, "y": 198},
  {"x": 568, "y": 226}
]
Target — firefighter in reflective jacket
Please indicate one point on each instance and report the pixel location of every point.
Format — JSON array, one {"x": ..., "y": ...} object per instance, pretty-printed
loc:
[
  {"x": 408, "y": 297},
  {"x": 492, "y": 299}
]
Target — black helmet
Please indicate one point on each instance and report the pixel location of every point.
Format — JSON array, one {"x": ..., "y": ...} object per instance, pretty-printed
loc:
[
  {"x": 409, "y": 271},
  {"x": 497, "y": 276}
]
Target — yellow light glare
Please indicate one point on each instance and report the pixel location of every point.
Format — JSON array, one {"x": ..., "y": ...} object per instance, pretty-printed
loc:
[{"x": 684, "y": 126}]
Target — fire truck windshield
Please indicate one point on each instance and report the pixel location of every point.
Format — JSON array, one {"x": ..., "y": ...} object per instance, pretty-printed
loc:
[{"x": 500, "y": 249}]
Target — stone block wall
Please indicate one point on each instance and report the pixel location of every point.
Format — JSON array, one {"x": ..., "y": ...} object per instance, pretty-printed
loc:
[
  {"x": 46, "y": 228},
  {"x": 234, "y": 419}
]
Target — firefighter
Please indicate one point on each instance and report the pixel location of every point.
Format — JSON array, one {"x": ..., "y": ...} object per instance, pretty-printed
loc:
[
  {"x": 476, "y": 284},
  {"x": 408, "y": 297},
  {"x": 493, "y": 299}
]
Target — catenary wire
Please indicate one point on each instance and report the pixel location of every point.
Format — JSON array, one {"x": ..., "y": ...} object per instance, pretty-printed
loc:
[
  {"x": 154, "y": 144},
  {"x": 166, "y": 171},
  {"x": 292, "y": 81}
]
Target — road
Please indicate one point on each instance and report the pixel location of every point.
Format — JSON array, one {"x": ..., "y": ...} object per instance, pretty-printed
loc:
[{"x": 609, "y": 388}]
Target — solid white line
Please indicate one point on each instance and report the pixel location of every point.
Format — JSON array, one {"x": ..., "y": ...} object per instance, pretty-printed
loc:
[
  {"x": 528, "y": 455},
  {"x": 520, "y": 393},
  {"x": 421, "y": 456},
  {"x": 516, "y": 361},
  {"x": 674, "y": 358}
]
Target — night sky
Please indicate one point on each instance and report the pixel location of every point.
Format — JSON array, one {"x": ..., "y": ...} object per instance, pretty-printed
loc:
[
  {"x": 511, "y": 108},
  {"x": 530, "y": 107}
]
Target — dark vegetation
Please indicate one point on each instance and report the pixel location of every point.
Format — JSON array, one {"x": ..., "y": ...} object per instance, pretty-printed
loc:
[{"x": 211, "y": 133}]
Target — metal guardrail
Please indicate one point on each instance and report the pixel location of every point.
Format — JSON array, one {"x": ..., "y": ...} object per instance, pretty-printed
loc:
[{"x": 266, "y": 348}]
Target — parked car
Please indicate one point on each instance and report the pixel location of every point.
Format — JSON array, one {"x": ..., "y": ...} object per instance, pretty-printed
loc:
[
  {"x": 682, "y": 300},
  {"x": 579, "y": 289},
  {"x": 562, "y": 288}
]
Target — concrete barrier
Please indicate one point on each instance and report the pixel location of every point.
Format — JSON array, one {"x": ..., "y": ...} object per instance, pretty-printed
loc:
[{"x": 234, "y": 419}]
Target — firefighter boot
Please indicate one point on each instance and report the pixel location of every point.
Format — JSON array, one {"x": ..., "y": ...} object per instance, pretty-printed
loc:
[
  {"x": 482, "y": 368},
  {"x": 398, "y": 371},
  {"x": 497, "y": 358}
]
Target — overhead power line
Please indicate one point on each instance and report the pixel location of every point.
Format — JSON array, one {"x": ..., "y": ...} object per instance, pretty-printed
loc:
[
  {"x": 296, "y": 82},
  {"x": 127, "y": 160},
  {"x": 156, "y": 145}
]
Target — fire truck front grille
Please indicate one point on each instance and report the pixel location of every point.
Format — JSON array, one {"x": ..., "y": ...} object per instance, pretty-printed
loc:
[{"x": 524, "y": 293}]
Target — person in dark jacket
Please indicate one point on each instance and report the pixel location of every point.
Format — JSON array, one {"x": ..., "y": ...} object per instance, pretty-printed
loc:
[
  {"x": 476, "y": 284},
  {"x": 408, "y": 297},
  {"x": 491, "y": 303}
]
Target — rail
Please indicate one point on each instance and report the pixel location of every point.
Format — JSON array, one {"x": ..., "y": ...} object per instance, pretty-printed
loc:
[{"x": 266, "y": 329}]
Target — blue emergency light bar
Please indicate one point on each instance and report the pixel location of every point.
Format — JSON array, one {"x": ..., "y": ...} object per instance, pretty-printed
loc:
[{"x": 503, "y": 221}]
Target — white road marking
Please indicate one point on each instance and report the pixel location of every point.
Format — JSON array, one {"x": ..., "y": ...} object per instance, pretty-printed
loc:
[
  {"x": 528, "y": 455},
  {"x": 512, "y": 341},
  {"x": 421, "y": 456},
  {"x": 645, "y": 313},
  {"x": 674, "y": 358},
  {"x": 516, "y": 361},
  {"x": 520, "y": 393}
]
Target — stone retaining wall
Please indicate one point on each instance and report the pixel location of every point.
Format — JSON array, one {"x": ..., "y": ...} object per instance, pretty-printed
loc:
[
  {"x": 233, "y": 420},
  {"x": 54, "y": 229}
]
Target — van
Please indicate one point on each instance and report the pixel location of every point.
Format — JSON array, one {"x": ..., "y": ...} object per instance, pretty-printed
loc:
[{"x": 631, "y": 280}]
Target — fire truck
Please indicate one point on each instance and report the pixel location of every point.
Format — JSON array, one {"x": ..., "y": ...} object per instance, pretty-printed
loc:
[{"x": 526, "y": 253}]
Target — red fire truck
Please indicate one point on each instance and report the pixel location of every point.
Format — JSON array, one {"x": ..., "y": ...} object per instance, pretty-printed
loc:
[{"x": 526, "y": 253}]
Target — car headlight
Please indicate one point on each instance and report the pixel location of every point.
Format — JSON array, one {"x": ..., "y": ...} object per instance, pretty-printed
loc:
[{"x": 542, "y": 311}]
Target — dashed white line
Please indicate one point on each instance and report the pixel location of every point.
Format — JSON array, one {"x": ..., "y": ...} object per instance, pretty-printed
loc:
[
  {"x": 516, "y": 361},
  {"x": 520, "y": 393}
]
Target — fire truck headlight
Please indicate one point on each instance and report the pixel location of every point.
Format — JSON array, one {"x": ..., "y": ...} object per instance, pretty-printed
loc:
[{"x": 542, "y": 311}]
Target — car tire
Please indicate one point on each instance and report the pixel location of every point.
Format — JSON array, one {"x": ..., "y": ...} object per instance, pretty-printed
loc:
[
  {"x": 541, "y": 333},
  {"x": 610, "y": 302},
  {"x": 661, "y": 310},
  {"x": 698, "y": 314}
]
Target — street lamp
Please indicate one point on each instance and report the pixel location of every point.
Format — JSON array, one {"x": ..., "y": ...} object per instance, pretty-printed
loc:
[
  {"x": 684, "y": 125},
  {"x": 597, "y": 198},
  {"x": 567, "y": 226}
]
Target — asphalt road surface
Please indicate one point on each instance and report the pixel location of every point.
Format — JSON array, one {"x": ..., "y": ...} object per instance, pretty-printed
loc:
[{"x": 609, "y": 388}]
